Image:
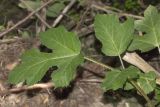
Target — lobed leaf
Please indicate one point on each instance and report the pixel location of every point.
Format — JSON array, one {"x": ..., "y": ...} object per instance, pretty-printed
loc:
[
  {"x": 150, "y": 25},
  {"x": 147, "y": 82},
  {"x": 55, "y": 9},
  {"x": 116, "y": 79},
  {"x": 128, "y": 86},
  {"x": 114, "y": 36},
  {"x": 33, "y": 4},
  {"x": 157, "y": 93},
  {"x": 66, "y": 57},
  {"x": 141, "y": 43}
]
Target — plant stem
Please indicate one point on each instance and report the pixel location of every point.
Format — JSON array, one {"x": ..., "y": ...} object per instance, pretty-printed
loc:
[
  {"x": 98, "y": 63},
  {"x": 137, "y": 87},
  {"x": 158, "y": 49},
  {"x": 140, "y": 90},
  {"x": 120, "y": 58}
]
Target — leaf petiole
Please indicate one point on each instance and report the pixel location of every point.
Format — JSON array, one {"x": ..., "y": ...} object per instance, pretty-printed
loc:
[
  {"x": 120, "y": 58},
  {"x": 141, "y": 92},
  {"x": 98, "y": 63}
]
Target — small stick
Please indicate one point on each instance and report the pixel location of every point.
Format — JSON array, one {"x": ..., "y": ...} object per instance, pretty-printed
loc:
[
  {"x": 137, "y": 61},
  {"x": 41, "y": 86},
  {"x": 25, "y": 88},
  {"x": 92, "y": 80},
  {"x": 59, "y": 18},
  {"x": 41, "y": 19},
  {"x": 81, "y": 19},
  {"x": 119, "y": 12},
  {"x": 25, "y": 19},
  {"x": 130, "y": 15},
  {"x": 5, "y": 41}
]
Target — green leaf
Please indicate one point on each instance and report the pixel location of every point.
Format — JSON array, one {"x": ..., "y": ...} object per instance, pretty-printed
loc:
[
  {"x": 128, "y": 86},
  {"x": 147, "y": 82},
  {"x": 66, "y": 56},
  {"x": 33, "y": 4},
  {"x": 55, "y": 9},
  {"x": 2, "y": 27},
  {"x": 141, "y": 43},
  {"x": 24, "y": 34},
  {"x": 150, "y": 24},
  {"x": 114, "y": 36},
  {"x": 116, "y": 79},
  {"x": 157, "y": 94},
  {"x": 82, "y": 2}
]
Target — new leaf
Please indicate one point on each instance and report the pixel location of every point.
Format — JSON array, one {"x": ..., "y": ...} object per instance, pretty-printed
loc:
[
  {"x": 150, "y": 25},
  {"x": 55, "y": 9},
  {"x": 114, "y": 36},
  {"x": 116, "y": 79},
  {"x": 32, "y": 4},
  {"x": 147, "y": 82},
  {"x": 66, "y": 56}
]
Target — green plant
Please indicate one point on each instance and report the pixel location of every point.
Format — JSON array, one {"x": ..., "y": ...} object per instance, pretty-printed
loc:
[
  {"x": 116, "y": 39},
  {"x": 150, "y": 26},
  {"x": 66, "y": 57}
]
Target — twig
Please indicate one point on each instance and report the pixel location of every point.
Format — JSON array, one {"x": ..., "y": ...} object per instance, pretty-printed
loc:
[
  {"x": 92, "y": 80},
  {"x": 113, "y": 8},
  {"x": 102, "y": 8},
  {"x": 41, "y": 86},
  {"x": 81, "y": 19},
  {"x": 25, "y": 88},
  {"x": 119, "y": 12},
  {"x": 59, "y": 18},
  {"x": 130, "y": 15},
  {"x": 141, "y": 91},
  {"x": 25, "y": 19},
  {"x": 84, "y": 31},
  {"x": 5, "y": 41},
  {"x": 137, "y": 61},
  {"x": 41, "y": 19},
  {"x": 43, "y": 14}
]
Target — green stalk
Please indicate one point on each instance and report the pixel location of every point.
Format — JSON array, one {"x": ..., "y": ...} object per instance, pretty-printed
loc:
[
  {"x": 140, "y": 90},
  {"x": 120, "y": 58},
  {"x": 158, "y": 49},
  {"x": 98, "y": 63}
]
